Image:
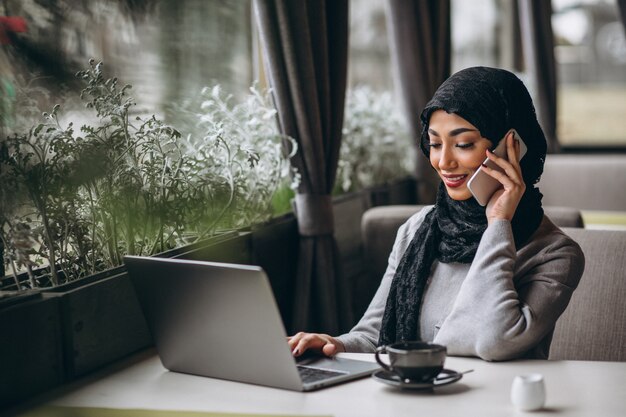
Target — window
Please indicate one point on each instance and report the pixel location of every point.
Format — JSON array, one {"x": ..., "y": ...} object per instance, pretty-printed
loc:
[
  {"x": 590, "y": 53},
  {"x": 167, "y": 49},
  {"x": 369, "y": 61},
  {"x": 474, "y": 33},
  {"x": 591, "y": 62}
]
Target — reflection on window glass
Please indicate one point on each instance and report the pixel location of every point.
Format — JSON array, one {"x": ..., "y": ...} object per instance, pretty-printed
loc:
[
  {"x": 204, "y": 43},
  {"x": 591, "y": 60},
  {"x": 167, "y": 49},
  {"x": 473, "y": 33},
  {"x": 590, "y": 50},
  {"x": 369, "y": 60},
  {"x": 486, "y": 32}
]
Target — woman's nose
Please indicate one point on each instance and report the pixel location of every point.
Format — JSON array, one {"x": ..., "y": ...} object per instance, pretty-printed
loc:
[{"x": 446, "y": 158}]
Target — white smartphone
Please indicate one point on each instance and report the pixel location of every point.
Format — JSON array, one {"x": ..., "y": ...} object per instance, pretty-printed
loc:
[{"x": 482, "y": 185}]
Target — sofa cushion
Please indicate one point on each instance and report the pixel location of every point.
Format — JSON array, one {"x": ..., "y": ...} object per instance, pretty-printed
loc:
[
  {"x": 594, "y": 325},
  {"x": 590, "y": 182},
  {"x": 564, "y": 216}
]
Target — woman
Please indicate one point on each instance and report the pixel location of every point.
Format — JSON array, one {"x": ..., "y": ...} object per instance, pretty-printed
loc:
[{"x": 484, "y": 281}]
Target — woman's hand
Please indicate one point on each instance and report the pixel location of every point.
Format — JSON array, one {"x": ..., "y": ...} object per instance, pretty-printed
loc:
[
  {"x": 323, "y": 343},
  {"x": 503, "y": 203}
]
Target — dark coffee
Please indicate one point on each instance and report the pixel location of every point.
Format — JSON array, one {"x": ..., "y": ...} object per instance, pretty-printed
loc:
[{"x": 419, "y": 374}]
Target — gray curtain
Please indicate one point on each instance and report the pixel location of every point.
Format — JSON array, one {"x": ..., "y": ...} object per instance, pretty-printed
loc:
[
  {"x": 538, "y": 47},
  {"x": 305, "y": 45},
  {"x": 419, "y": 33},
  {"x": 517, "y": 53}
]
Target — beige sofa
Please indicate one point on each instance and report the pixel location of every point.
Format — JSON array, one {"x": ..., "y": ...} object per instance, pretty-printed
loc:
[
  {"x": 594, "y": 184},
  {"x": 594, "y": 325},
  {"x": 586, "y": 182}
]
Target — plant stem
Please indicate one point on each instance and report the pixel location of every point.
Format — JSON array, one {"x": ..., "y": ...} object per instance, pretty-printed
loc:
[
  {"x": 31, "y": 276},
  {"x": 11, "y": 262},
  {"x": 231, "y": 197},
  {"x": 14, "y": 273},
  {"x": 51, "y": 254}
]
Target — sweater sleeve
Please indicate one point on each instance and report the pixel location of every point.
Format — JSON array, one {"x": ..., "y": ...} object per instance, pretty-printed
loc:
[
  {"x": 364, "y": 336},
  {"x": 504, "y": 309}
]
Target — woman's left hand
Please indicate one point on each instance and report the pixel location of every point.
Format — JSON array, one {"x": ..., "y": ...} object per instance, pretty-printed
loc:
[{"x": 504, "y": 201}]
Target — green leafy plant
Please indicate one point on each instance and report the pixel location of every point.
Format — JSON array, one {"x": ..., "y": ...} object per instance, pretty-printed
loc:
[
  {"x": 376, "y": 147},
  {"x": 134, "y": 185},
  {"x": 39, "y": 166}
]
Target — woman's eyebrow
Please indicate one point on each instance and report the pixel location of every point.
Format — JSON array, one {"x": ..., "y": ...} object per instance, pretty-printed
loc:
[{"x": 453, "y": 132}]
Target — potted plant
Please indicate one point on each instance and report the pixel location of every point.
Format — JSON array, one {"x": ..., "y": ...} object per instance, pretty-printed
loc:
[
  {"x": 123, "y": 185},
  {"x": 135, "y": 185}
]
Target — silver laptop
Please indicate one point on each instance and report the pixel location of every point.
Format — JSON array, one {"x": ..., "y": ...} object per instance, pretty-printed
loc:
[{"x": 221, "y": 321}]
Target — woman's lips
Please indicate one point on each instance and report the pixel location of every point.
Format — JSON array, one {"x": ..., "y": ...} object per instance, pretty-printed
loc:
[{"x": 454, "y": 181}]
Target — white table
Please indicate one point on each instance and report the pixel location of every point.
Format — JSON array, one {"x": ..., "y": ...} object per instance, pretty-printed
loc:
[{"x": 574, "y": 388}]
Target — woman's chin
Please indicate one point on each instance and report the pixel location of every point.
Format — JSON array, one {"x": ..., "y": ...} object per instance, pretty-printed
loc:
[{"x": 459, "y": 194}]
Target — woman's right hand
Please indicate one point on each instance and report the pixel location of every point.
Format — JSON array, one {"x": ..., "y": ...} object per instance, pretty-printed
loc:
[{"x": 321, "y": 343}]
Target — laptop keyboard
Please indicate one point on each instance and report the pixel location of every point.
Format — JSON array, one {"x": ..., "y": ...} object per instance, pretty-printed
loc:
[{"x": 309, "y": 374}]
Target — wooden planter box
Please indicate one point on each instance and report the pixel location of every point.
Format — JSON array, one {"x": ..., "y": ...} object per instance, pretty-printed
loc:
[
  {"x": 348, "y": 210},
  {"x": 403, "y": 191},
  {"x": 275, "y": 249},
  {"x": 100, "y": 321},
  {"x": 31, "y": 353}
]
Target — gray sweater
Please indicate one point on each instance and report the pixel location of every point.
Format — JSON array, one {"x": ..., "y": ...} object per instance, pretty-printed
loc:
[{"x": 504, "y": 305}]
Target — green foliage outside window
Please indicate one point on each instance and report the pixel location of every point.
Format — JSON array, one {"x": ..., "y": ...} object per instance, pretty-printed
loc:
[{"x": 376, "y": 147}]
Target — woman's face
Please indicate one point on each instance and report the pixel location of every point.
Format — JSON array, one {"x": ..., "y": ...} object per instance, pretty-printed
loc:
[{"x": 456, "y": 151}]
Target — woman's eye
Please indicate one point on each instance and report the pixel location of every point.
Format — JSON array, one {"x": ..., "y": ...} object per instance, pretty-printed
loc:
[
  {"x": 465, "y": 145},
  {"x": 434, "y": 145}
]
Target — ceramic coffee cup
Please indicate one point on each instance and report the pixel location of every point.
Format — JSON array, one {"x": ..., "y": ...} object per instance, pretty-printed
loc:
[{"x": 416, "y": 361}]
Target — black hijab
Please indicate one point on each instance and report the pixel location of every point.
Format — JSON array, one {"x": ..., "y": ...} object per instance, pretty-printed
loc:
[{"x": 494, "y": 101}]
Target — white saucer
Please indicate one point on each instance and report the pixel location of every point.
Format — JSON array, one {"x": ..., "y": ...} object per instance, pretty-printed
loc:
[{"x": 445, "y": 377}]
